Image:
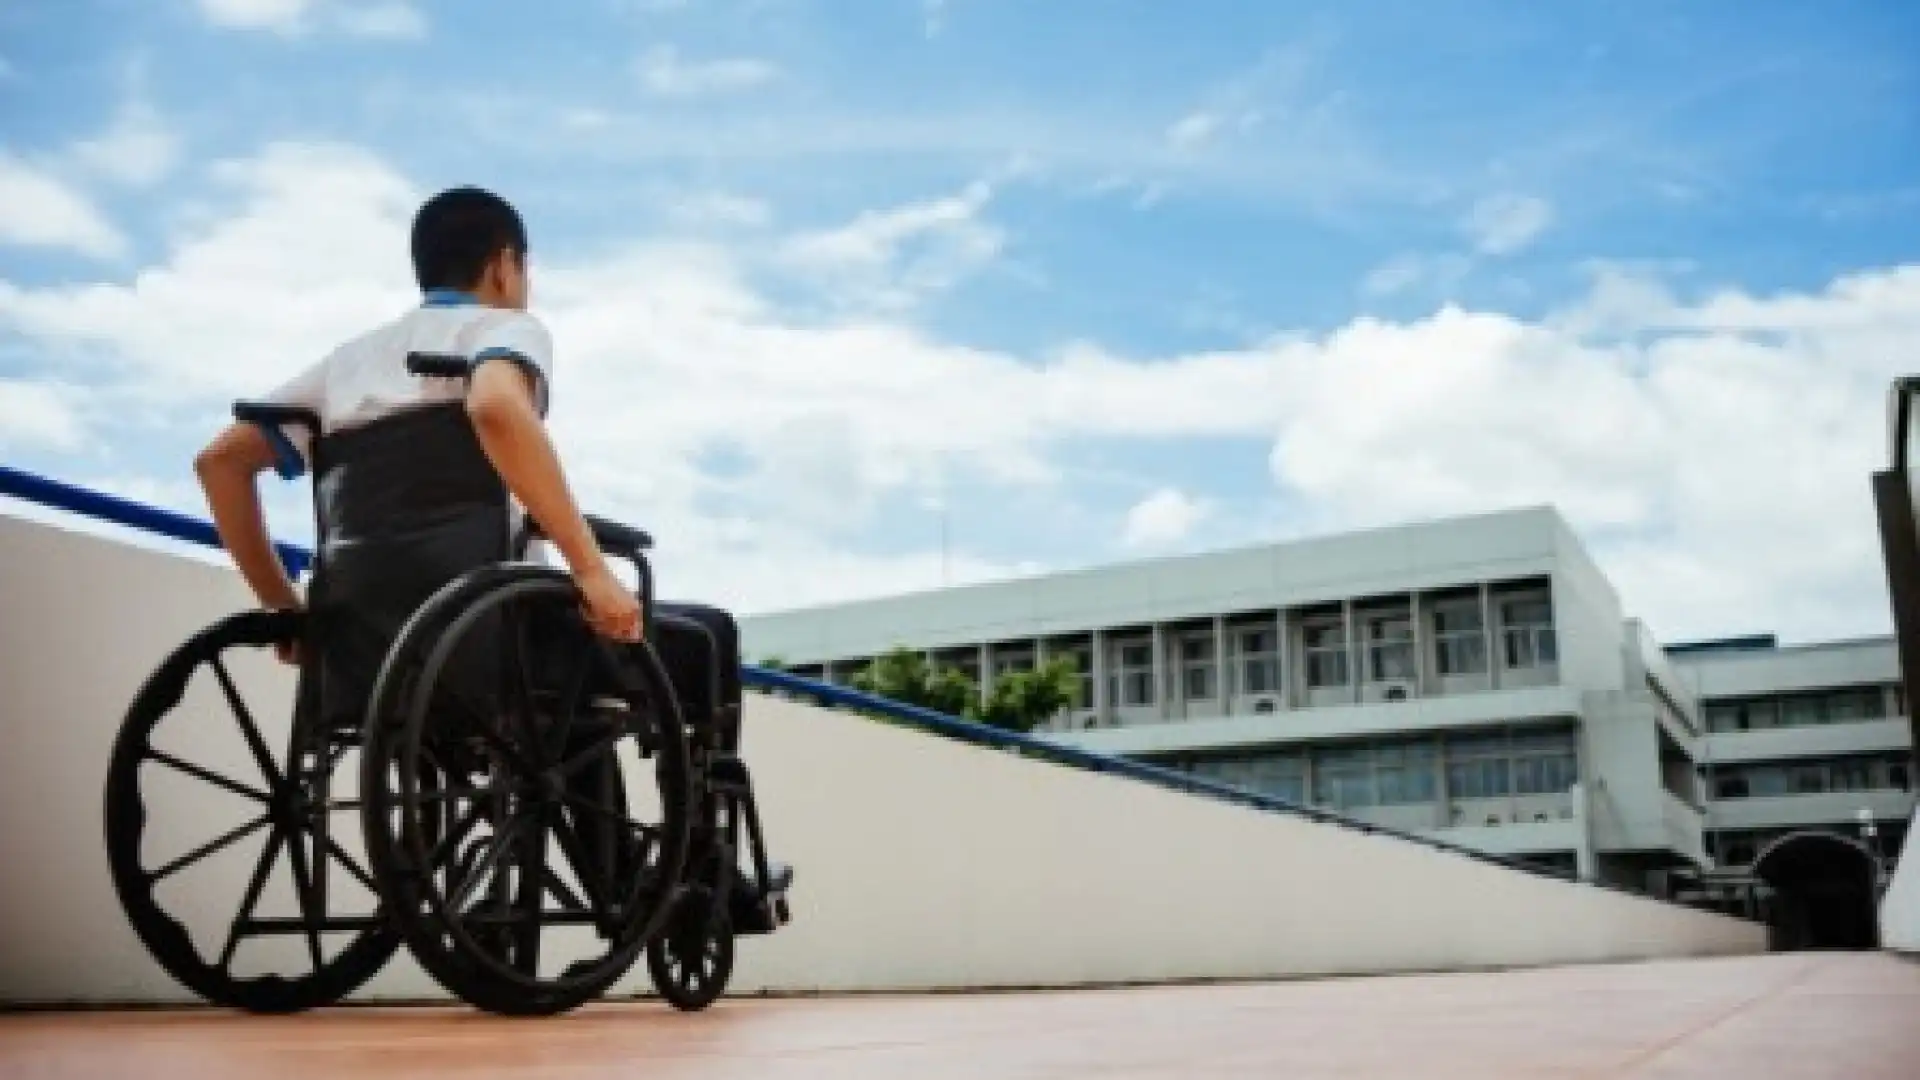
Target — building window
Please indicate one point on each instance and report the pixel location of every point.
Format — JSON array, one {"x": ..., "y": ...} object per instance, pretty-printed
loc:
[
  {"x": 1405, "y": 772},
  {"x": 1850, "y": 705},
  {"x": 1259, "y": 662},
  {"x": 1460, "y": 641},
  {"x": 1800, "y": 710},
  {"x": 1082, "y": 676},
  {"x": 1326, "y": 655},
  {"x": 1528, "y": 633},
  {"x": 1196, "y": 668},
  {"x": 1544, "y": 763},
  {"x": 1854, "y": 705},
  {"x": 1390, "y": 648},
  {"x": 1477, "y": 767},
  {"x": 1011, "y": 662},
  {"x": 1854, "y": 775},
  {"x": 1343, "y": 776},
  {"x": 1132, "y": 680}
]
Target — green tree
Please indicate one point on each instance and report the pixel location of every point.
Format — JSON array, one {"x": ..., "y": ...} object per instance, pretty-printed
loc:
[
  {"x": 1020, "y": 700},
  {"x": 903, "y": 675},
  {"x": 1023, "y": 700}
]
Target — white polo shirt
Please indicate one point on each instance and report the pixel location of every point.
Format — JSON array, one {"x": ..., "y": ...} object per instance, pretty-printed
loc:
[{"x": 367, "y": 378}]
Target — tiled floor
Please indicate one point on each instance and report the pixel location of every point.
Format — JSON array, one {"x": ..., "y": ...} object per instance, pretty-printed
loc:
[{"x": 1840, "y": 1016}]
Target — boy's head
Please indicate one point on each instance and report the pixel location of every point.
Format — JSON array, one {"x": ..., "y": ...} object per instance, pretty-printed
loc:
[{"x": 473, "y": 241}]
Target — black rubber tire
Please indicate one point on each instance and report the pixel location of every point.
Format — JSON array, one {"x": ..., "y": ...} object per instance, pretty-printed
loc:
[
  {"x": 126, "y": 816},
  {"x": 394, "y": 729},
  {"x": 714, "y": 937}
]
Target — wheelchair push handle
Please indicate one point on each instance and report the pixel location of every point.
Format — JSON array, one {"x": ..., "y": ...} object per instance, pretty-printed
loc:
[
  {"x": 439, "y": 365},
  {"x": 270, "y": 415}
]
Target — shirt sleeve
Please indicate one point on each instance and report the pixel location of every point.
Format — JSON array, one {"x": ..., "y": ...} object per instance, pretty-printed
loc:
[
  {"x": 293, "y": 443},
  {"x": 523, "y": 339}
]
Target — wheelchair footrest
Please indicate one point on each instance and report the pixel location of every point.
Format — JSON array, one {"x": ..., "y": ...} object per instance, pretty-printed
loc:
[{"x": 755, "y": 910}]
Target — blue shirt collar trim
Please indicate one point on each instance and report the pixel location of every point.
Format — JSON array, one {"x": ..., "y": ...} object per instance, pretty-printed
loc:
[{"x": 449, "y": 298}]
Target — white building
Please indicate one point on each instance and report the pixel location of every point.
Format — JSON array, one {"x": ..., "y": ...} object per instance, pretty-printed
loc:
[{"x": 1474, "y": 678}]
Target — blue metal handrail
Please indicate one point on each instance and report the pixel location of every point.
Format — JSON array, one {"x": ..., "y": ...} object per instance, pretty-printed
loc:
[{"x": 57, "y": 495}]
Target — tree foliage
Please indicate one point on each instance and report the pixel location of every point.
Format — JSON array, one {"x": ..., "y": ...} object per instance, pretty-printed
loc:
[{"x": 1019, "y": 701}]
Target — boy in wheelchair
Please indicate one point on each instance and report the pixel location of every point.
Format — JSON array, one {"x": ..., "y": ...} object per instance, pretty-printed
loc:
[{"x": 419, "y": 433}]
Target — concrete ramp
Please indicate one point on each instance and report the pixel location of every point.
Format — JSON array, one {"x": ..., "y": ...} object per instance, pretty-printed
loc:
[{"x": 921, "y": 862}]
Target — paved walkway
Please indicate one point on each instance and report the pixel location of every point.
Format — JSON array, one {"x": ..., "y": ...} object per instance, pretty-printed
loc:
[{"x": 1838, "y": 1016}]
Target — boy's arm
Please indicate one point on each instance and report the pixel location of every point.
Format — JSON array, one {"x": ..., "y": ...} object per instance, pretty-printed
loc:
[
  {"x": 229, "y": 468},
  {"x": 502, "y": 400}
]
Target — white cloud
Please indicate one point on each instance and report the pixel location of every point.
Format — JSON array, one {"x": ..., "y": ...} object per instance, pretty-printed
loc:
[
  {"x": 38, "y": 210},
  {"x": 663, "y": 73},
  {"x": 391, "y": 19},
  {"x": 139, "y": 148},
  {"x": 719, "y": 208},
  {"x": 37, "y": 414},
  {"x": 889, "y": 258},
  {"x": 1162, "y": 519},
  {"x": 1193, "y": 129},
  {"x": 1504, "y": 224},
  {"x": 395, "y": 21},
  {"x": 1714, "y": 452},
  {"x": 282, "y": 16},
  {"x": 1410, "y": 270}
]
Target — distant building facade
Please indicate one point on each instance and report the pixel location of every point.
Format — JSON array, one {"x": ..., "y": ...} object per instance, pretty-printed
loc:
[{"x": 1473, "y": 678}]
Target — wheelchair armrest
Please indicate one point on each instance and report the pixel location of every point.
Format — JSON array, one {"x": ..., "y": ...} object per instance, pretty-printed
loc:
[{"x": 615, "y": 537}]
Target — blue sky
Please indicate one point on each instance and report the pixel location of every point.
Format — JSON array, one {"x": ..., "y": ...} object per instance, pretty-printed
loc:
[{"x": 1112, "y": 279}]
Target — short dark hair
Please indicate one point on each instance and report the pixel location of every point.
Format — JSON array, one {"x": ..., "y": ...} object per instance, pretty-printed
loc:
[{"x": 457, "y": 231}]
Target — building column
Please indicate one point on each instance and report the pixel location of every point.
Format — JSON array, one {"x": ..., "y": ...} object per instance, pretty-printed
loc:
[
  {"x": 1160, "y": 694},
  {"x": 1221, "y": 692},
  {"x": 1418, "y": 619},
  {"x": 826, "y": 672},
  {"x": 986, "y": 672},
  {"x": 1097, "y": 661},
  {"x": 1353, "y": 661},
  {"x": 1283, "y": 654},
  {"x": 1486, "y": 630}
]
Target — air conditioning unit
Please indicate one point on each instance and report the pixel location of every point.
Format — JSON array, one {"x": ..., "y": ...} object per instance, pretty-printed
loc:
[
  {"x": 1265, "y": 703},
  {"x": 1390, "y": 690}
]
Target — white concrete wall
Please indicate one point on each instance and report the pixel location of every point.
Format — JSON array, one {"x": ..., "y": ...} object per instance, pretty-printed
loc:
[
  {"x": 920, "y": 862},
  {"x": 1587, "y": 617},
  {"x": 1900, "y": 907}
]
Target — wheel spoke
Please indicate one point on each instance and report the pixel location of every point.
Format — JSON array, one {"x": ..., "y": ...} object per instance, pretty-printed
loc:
[
  {"x": 559, "y": 889},
  {"x": 353, "y": 866},
  {"x": 261, "y": 755},
  {"x": 591, "y": 877},
  {"x": 593, "y": 751},
  {"x": 252, "y": 899},
  {"x": 203, "y": 773},
  {"x": 532, "y": 857},
  {"x": 226, "y": 839},
  {"x": 303, "y": 887},
  {"x": 570, "y": 691},
  {"x": 451, "y": 842},
  {"x": 491, "y": 860},
  {"x": 651, "y": 832}
]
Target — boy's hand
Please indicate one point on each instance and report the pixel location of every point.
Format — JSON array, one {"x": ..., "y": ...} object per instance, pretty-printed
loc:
[{"x": 610, "y": 609}]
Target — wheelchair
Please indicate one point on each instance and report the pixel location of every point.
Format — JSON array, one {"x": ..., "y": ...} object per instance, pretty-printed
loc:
[{"x": 533, "y": 805}]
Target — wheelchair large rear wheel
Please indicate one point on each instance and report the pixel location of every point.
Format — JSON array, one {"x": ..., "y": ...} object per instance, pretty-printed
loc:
[
  {"x": 200, "y": 813},
  {"x": 524, "y": 879}
]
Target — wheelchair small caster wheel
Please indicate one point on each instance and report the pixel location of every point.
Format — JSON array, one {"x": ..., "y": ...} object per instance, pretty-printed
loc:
[{"x": 691, "y": 958}]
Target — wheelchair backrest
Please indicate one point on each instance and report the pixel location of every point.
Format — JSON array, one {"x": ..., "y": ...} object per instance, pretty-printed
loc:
[{"x": 403, "y": 505}]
